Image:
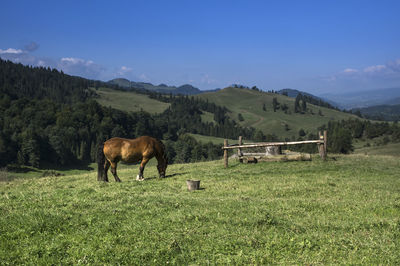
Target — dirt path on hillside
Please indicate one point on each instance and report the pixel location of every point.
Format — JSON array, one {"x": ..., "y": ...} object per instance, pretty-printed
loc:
[{"x": 259, "y": 121}]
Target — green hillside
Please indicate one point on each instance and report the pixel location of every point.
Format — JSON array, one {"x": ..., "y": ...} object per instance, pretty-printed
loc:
[
  {"x": 185, "y": 89},
  {"x": 129, "y": 101},
  {"x": 214, "y": 140},
  {"x": 249, "y": 103},
  {"x": 343, "y": 211}
]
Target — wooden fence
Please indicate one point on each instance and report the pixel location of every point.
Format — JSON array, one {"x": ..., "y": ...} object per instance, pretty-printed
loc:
[{"x": 321, "y": 142}]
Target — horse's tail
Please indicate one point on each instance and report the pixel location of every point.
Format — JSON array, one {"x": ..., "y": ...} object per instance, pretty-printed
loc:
[{"x": 101, "y": 159}]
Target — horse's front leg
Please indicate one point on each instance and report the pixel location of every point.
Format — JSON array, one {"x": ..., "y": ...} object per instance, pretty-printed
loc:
[{"x": 140, "y": 176}]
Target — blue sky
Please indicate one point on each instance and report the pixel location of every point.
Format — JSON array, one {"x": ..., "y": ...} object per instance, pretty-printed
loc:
[{"x": 315, "y": 46}]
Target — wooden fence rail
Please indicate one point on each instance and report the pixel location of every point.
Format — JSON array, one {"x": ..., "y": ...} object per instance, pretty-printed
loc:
[{"x": 321, "y": 142}]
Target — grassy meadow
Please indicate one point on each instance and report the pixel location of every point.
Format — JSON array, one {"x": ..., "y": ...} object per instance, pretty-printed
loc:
[
  {"x": 129, "y": 101},
  {"x": 213, "y": 140},
  {"x": 342, "y": 211},
  {"x": 249, "y": 103},
  {"x": 392, "y": 149},
  {"x": 246, "y": 102}
]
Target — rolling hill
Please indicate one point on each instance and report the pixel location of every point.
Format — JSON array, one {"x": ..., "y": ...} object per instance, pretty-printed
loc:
[
  {"x": 293, "y": 94},
  {"x": 162, "y": 88},
  {"x": 249, "y": 103},
  {"x": 129, "y": 101}
]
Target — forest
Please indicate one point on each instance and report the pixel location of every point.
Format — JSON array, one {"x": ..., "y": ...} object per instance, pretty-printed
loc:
[{"x": 49, "y": 118}]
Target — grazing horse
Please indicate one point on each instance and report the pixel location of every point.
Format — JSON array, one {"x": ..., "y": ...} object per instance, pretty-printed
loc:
[{"x": 140, "y": 150}]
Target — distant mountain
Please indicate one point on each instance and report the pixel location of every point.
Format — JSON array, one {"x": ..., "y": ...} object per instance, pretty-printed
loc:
[
  {"x": 394, "y": 101},
  {"x": 186, "y": 89},
  {"x": 381, "y": 112},
  {"x": 361, "y": 99}
]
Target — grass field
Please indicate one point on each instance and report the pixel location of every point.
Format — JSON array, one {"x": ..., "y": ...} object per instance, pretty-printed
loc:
[
  {"x": 392, "y": 149},
  {"x": 249, "y": 103},
  {"x": 207, "y": 117},
  {"x": 129, "y": 101},
  {"x": 214, "y": 140},
  {"x": 343, "y": 211}
]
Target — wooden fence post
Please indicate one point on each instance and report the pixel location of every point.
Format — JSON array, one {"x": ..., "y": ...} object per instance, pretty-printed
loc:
[
  {"x": 322, "y": 146},
  {"x": 240, "y": 154},
  {"x": 225, "y": 153},
  {"x": 325, "y": 144}
]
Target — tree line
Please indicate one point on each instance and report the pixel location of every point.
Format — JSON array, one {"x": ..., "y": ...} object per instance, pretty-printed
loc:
[{"x": 341, "y": 134}]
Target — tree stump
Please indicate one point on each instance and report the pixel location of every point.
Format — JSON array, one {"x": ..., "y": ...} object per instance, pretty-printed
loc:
[{"x": 273, "y": 150}]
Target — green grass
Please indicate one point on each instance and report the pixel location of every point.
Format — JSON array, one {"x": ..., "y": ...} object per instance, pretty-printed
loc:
[
  {"x": 129, "y": 101},
  {"x": 249, "y": 103},
  {"x": 214, "y": 140},
  {"x": 392, "y": 149},
  {"x": 343, "y": 211},
  {"x": 207, "y": 117}
]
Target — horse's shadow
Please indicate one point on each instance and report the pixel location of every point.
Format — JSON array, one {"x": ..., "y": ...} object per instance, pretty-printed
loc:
[{"x": 167, "y": 176}]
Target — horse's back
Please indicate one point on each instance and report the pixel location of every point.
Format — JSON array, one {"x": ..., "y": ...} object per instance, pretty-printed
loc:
[{"x": 130, "y": 150}]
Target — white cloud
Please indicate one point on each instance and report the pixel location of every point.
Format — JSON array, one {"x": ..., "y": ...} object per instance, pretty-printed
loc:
[
  {"x": 144, "y": 78},
  {"x": 206, "y": 79},
  {"x": 369, "y": 77},
  {"x": 11, "y": 51},
  {"x": 41, "y": 63},
  {"x": 73, "y": 61},
  {"x": 350, "y": 70},
  {"x": 391, "y": 68},
  {"x": 70, "y": 65},
  {"x": 394, "y": 65},
  {"x": 81, "y": 67},
  {"x": 373, "y": 69},
  {"x": 123, "y": 71}
]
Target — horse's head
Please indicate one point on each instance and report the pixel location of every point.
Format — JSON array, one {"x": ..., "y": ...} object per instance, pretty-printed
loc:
[{"x": 162, "y": 167}]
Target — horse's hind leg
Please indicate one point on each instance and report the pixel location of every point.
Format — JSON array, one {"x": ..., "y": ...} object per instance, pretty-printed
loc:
[
  {"x": 140, "y": 176},
  {"x": 106, "y": 167},
  {"x": 114, "y": 171}
]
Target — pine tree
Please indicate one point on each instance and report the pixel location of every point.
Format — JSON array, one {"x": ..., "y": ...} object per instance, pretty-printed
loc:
[
  {"x": 275, "y": 104},
  {"x": 297, "y": 103}
]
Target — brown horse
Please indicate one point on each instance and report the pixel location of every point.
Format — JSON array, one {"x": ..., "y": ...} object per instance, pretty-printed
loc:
[{"x": 140, "y": 150}]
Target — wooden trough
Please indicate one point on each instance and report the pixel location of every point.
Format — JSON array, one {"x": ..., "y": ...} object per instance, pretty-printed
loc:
[{"x": 273, "y": 150}]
